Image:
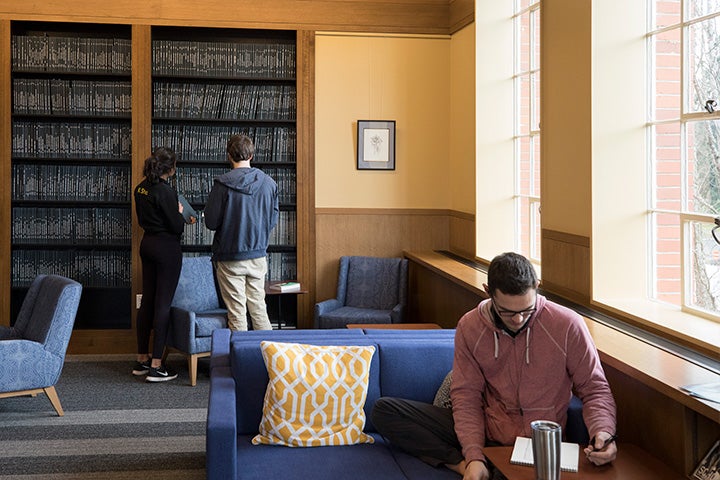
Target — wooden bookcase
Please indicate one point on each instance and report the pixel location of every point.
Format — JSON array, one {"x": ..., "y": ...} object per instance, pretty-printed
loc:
[
  {"x": 71, "y": 145},
  {"x": 211, "y": 83},
  {"x": 61, "y": 100}
]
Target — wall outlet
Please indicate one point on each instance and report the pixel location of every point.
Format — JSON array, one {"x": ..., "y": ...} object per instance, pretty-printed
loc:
[{"x": 138, "y": 300}]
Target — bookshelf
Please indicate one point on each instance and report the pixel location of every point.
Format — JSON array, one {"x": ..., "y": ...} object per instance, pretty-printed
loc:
[
  {"x": 210, "y": 83},
  {"x": 93, "y": 230},
  {"x": 70, "y": 164}
]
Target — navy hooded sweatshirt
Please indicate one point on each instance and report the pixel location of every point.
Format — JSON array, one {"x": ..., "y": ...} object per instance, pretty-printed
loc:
[{"x": 242, "y": 209}]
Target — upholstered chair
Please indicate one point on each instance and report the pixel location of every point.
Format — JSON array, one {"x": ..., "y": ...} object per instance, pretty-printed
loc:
[
  {"x": 32, "y": 351},
  {"x": 369, "y": 290},
  {"x": 195, "y": 312}
]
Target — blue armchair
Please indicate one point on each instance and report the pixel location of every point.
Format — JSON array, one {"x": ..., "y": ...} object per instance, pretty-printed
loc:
[
  {"x": 370, "y": 290},
  {"x": 32, "y": 352},
  {"x": 195, "y": 312}
]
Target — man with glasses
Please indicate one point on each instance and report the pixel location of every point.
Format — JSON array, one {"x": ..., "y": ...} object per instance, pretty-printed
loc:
[{"x": 518, "y": 358}]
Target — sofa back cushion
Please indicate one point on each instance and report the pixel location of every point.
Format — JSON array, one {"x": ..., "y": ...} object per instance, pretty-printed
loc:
[
  {"x": 374, "y": 283},
  {"x": 414, "y": 368},
  {"x": 251, "y": 377}
]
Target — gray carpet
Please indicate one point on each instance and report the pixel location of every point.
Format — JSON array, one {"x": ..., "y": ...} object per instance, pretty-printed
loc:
[{"x": 116, "y": 426}]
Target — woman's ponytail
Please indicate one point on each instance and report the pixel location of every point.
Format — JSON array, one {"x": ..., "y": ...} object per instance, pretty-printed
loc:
[{"x": 162, "y": 161}]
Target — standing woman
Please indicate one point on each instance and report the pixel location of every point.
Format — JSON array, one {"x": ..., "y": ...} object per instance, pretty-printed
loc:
[{"x": 160, "y": 216}]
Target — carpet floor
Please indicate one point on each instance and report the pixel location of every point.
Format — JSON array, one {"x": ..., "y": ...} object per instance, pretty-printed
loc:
[{"x": 116, "y": 426}]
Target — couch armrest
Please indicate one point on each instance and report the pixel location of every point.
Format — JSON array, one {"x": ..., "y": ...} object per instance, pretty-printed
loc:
[
  {"x": 220, "y": 348},
  {"x": 43, "y": 371},
  {"x": 182, "y": 329},
  {"x": 221, "y": 439},
  {"x": 326, "y": 306},
  {"x": 397, "y": 313}
]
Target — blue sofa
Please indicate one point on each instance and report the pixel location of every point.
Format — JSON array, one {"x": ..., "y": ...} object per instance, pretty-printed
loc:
[{"x": 407, "y": 363}]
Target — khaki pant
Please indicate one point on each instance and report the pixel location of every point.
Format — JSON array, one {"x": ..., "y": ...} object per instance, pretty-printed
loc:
[{"x": 242, "y": 285}]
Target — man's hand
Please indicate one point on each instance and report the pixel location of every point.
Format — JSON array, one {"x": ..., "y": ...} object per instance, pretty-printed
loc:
[
  {"x": 476, "y": 470},
  {"x": 602, "y": 449}
]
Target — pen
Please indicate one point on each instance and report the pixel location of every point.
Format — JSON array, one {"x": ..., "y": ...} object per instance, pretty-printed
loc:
[{"x": 605, "y": 445}]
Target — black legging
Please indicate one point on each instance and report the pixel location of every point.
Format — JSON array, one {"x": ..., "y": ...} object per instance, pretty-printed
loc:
[{"x": 161, "y": 258}]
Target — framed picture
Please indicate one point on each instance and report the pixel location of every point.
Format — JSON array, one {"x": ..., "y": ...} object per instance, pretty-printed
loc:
[{"x": 376, "y": 145}]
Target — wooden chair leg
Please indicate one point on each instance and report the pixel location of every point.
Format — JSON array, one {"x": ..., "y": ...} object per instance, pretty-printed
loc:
[
  {"x": 52, "y": 395},
  {"x": 192, "y": 369}
]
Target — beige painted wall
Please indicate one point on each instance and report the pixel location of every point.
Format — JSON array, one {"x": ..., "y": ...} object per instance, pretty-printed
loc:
[
  {"x": 462, "y": 120},
  {"x": 566, "y": 116},
  {"x": 371, "y": 77}
]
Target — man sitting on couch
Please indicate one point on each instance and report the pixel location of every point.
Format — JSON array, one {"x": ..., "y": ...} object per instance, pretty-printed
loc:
[{"x": 518, "y": 358}]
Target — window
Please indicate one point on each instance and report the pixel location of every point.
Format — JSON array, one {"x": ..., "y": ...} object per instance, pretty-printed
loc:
[
  {"x": 526, "y": 78},
  {"x": 683, "y": 133}
]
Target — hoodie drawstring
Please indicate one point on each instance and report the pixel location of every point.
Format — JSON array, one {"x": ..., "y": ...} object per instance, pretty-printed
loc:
[
  {"x": 527, "y": 346},
  {"x": 497, "y": 348}
]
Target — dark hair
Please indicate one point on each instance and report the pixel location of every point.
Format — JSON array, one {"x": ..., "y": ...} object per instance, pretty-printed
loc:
[
  {"x": 240, "y": 148},
  {"x": 161, "y": 162},
  {"x": 512, "y": 274}
]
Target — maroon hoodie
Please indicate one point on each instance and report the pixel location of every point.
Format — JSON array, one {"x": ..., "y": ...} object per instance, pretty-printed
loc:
[{"x": 500, "y": 384}]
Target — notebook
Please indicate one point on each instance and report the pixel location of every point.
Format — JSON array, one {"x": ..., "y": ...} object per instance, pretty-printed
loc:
[{"x": 522, "y": 454}]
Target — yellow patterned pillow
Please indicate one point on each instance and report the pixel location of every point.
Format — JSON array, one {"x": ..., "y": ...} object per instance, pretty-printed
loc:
[{"x": 315, "y": 395}]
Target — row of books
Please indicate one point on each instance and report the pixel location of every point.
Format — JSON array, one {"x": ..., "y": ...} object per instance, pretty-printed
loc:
[
  {"x": 70, "y": 54},
  {"x": 71, "y": 140},
  {"x": 223, "y": 59},
  {"x": 281, "y": 266},
  {"x": 53, "y": 96},
  {"x": 92, "y": 268},
  {"x": 208, "y": 143},
  {"x": 81, "y": 226},
  {"x": 70, "y": 182},
  {"x": 213, "y": 101},
  {"x": 284, "y": 232},
  {"x": 195, "y": 183}
]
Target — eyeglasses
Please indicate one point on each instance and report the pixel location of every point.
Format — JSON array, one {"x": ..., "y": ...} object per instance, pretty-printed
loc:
[{"x": 525, "y": 314}]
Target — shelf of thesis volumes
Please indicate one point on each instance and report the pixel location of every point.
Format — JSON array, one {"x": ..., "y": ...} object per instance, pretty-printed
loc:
[
  {"x": 71, "y": 117},
  {"x": 209, "y": 84}
]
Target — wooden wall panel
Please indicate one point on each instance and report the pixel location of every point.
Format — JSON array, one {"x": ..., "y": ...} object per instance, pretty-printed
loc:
[
  {"x": 382, "y": 16},
  {"x": 658, "y": 429},
  {"x": 566, "y": 265},
  {"x": 306, "y": 171},
  {"x": 5, "y": 176},
  {"x": 462, "y": 234},
  {"x": 435, "y": 299},
  {"x": 373, "y": 232}
]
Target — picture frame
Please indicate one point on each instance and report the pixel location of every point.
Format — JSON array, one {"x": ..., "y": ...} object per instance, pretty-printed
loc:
[{"x": 376, "y": 145}]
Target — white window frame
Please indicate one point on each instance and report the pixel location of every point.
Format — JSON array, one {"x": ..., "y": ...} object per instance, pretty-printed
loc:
[
  {"x": 533, "y": 201},
  {"x": 685, "y": 217}
]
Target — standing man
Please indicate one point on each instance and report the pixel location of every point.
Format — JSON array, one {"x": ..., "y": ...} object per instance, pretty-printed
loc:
[
  {"x": 518, "y": 358},
  {"x": 242, "y": 209}
]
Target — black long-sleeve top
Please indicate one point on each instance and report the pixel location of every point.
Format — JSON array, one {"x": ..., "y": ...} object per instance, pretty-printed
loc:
[{"x": 156, "y": 206}]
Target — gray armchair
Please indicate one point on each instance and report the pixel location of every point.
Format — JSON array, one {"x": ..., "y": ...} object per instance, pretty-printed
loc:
[
  {"x": 195, "y": 312},
  {"x": 32, "y": 352},
  {"x": 370, "y": 290}
]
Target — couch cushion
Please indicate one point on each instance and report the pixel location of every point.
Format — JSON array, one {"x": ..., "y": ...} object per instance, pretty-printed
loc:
[
  {"x": 373, "y": 282},
  {"x": 207, "y": 322},
  {"x": 400, "y": 357},
  {"x": 353, "y": 462},
  {"x": 315, "y": 395},
  {"x": 344, "y": 315}
]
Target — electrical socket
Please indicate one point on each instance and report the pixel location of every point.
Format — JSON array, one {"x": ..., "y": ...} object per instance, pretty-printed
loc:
[{"x": 138, "y": 300}]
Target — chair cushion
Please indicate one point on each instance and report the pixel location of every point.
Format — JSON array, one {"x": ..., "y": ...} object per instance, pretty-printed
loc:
[
  {"x": 196, "y": 287},
  {"x": 206, "y": 322},
  {"x": 315, "y": 395},
  {"x": 373, "y": 282},
  {"x": 344, "y": 315}
]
